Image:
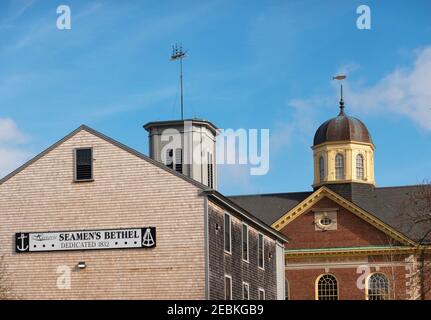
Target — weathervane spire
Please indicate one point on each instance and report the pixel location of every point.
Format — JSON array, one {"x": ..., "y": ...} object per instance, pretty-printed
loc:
[
  {"x": 341, "y": 77},
  {"x": 178, "y": 53},
  {"x": 341, "y": 102}
]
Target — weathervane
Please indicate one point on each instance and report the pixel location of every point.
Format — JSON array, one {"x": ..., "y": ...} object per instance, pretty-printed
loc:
[
  {"x": 340, "y": 78},
  {"x": 178, "y": 53}
]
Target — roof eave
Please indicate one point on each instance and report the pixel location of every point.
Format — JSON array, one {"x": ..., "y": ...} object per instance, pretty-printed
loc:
[{"x": 229, "y": 203}]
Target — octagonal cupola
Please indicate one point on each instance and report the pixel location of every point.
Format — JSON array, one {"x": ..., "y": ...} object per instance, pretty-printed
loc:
[{"x": 343, "y": 151}]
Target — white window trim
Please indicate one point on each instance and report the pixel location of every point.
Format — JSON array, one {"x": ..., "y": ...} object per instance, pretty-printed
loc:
[
  {"x": 248, "y": 242},
  {"x": 316, "y": 285},
  {"x": 230, "y": 277},
  {"x": 263, "y": 251},
  {"x": 170, "y": 158},
  {"x": 367, "y": 285},
  {"x": 230, "y": 233},
  {"x": 286, "y": 289},
  {"x": 264, "y": 295},
  {"x": 343, "y": 166},
  {"x": 245, "y": 284},
  {"x": 363, "y": 166},
  {"x": 322, "y": 177}
]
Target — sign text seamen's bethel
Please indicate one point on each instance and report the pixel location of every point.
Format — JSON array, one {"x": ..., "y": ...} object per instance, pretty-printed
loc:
[{"x": 86, "y": 240}]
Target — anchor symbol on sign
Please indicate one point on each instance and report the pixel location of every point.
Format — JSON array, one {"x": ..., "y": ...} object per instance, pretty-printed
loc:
[{"x": 22, "y": 238}]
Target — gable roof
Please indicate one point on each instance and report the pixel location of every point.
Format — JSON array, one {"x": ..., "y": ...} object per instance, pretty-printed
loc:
[
  {"x": 205, "y": 189},
  {"x": 110, "y": 140},
  {"x": 299, "y": 206},
  {"x": 393, "y": 205}
]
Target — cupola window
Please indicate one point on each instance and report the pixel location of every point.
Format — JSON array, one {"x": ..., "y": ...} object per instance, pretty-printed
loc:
[
  {"x": 179, "y": 160},
  {"x": 339, "y": 167},
  {"x": 360, "y": 167},
  {"x": 321, "y": 168},
  {"x": 170, "y": 158},
  {"x": 210, "y": 171}
]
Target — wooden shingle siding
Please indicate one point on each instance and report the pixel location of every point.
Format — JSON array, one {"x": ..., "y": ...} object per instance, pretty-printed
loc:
[
  {"x": 127, "y": 191},
  {"x": 221, "y": 263}
]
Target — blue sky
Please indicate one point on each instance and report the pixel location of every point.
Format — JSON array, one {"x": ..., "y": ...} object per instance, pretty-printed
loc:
[{"x": 250, "y": 64}]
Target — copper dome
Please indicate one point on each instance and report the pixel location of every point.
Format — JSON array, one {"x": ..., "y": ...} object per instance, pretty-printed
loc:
[{"x": 342, "y": 128}]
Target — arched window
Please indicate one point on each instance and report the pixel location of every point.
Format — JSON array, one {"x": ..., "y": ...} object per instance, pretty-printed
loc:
[
  {"x": 321, "y": 168},
  {"x": 286, "y": 289},
  {"x": 339, "y": 167},
  {"x": 360, "y": 167},
  {"x": 377, "y": 287},
  {"x": 326, "y": 287}
]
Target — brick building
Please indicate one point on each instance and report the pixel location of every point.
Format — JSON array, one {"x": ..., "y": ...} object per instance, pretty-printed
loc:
[
  {"x": 348, "y": 238},
  {"x": 174, "y": 237}
]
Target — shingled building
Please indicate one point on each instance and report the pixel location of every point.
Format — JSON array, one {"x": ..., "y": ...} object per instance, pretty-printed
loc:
[{"x": 90, "y": 218}]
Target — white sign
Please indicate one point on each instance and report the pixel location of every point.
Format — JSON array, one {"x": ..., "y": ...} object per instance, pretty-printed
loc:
[{"x": 86, "y": 240}]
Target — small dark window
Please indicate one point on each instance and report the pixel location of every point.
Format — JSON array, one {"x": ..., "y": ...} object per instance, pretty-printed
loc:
[
  {"x": 245, "y": 242},
  {"x": 210, "y": 171},
  {"x": 227, "y": 233},
  {"x": 261, "y": 251},
  {"x": 169, "y": 158},
  {"x": 84, "y": 164},
  {"x": 179, "y": 160},
  {"x": 325, "y": 221}
]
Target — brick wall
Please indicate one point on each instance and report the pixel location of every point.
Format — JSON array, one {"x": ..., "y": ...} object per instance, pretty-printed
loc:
[
  {"x": 127, "y": 192},
  {"x": 221, "y": 263},
  {"x": 352, "y": 231},
  {"x": 302, "y": 282}
]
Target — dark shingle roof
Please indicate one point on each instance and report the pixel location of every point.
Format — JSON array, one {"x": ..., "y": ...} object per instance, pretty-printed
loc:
[
  {"x": 270, "y": 207},
  {"x": 392, "y": 205}
]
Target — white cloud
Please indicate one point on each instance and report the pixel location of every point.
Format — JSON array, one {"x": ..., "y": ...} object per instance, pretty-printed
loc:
[
  {"x": 301, "y": 125},
  {"x": 405, "y": 91},
  {"x": 12, "y": 155},
  {"x": 9, "y": 132}
]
